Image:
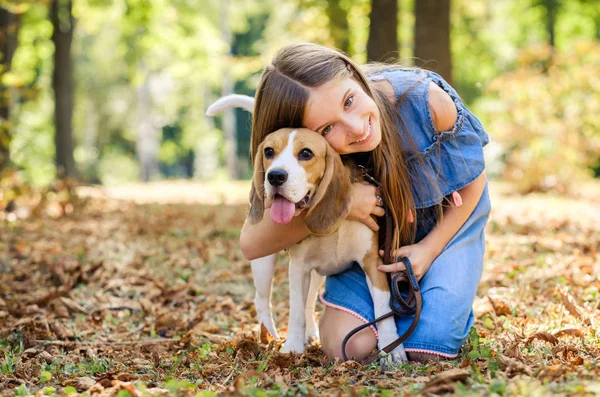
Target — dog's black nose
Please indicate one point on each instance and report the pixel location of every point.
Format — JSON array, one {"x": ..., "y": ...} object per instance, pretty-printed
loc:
[{"x": 277, "y": 177}]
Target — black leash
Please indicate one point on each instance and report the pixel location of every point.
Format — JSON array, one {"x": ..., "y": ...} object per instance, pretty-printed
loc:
[{"x": 404, "y": 281}]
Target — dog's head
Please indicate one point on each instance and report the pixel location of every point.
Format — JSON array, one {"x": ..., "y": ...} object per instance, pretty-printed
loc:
[{"x": 297, "y": 170}]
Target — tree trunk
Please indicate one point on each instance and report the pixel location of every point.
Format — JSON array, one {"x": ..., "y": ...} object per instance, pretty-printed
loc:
[
  {"x": 206, "y": 159},
  {"x": 147, "y": 143},
  {"x": 62, "y": 82},
  {"x": 227, "y": 88},
  {"x": 382, "y": 45},
  {"x": 9, "y": 28},
  {"x": 432, "y": 36},
  {"x": 338, "y": 25},
  {"x": 552, "y": 8}
]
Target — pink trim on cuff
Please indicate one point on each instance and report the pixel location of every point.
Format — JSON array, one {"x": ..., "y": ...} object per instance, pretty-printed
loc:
[
  {"x": 364, "y": 320},
  {"x": 432, "y": 352},
  {"x": 457, "y": 199}
]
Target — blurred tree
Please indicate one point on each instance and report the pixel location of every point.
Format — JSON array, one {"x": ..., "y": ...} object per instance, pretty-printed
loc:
[
  {"x": 9, "y": 28},
  {"x": 244, "y": 48},
  {"x": 382, "y": 45},
  {"x": 337, "y": 13},
  {"x": 139, "y": 34},
  {"x": 551, "y": 10},
  {"x": 63, "y": 22},
  {"x": 229, "y": 121},
  {"x": 432, "y": 36},
  {"x": 159, "y": 63}
]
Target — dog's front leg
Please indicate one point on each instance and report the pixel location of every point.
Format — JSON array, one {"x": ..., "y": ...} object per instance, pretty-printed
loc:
[
  {"x": 263, "y": 270},
  {"x": 387, "y": 330},
  {"x": 299, "y": 280},
  {"x": 312, "y": 329}
]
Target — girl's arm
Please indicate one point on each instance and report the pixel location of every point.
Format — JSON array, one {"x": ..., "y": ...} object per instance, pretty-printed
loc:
[
  {"x": 267, "y": 237},
  {"x": 423, "y": 253},
  {"x": 454, "y": 217},
  {"x": 444, "y": 116}
]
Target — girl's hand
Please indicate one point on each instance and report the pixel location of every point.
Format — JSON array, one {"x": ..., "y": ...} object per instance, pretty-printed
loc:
[
  {"x": 419, "y": 255},
  {"x": 364, "y": 204}
]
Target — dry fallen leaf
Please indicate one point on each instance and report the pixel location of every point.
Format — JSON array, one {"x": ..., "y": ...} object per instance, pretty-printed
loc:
[
  {"x": 569, "y": 303},
  {"x": 265, "y": 335},
  {"x": 170, "y": 280},
  {"x": 548, "y": 337},
  {"x": 444, "y": 382}
]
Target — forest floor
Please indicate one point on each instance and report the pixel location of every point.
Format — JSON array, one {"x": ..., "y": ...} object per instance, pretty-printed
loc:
[{"x": 143, "y": 290}]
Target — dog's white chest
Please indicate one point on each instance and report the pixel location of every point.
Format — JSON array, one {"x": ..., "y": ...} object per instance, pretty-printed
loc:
[{"x": 334, "y": 253}]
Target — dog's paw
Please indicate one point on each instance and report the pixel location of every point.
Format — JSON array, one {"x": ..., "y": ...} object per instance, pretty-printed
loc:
[
  {"x": 396, "y": 356},
  {"x": 399, "y": 355},
  {"x": 293, "y": 345},
  {"x": 265, "y": 317},
  {"x": 269, "y": 327},
  {"x": 312, "y": 335},
  {"x": 392, "y": 359}
]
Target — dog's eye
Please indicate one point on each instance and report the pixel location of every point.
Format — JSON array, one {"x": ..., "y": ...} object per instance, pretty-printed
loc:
[
  {"x": 269, "y": 152},
  {"x": 305, "y": 154}
]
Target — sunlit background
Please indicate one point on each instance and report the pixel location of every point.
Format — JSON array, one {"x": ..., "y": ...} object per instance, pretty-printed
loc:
[{"x": 142, "y": 73}]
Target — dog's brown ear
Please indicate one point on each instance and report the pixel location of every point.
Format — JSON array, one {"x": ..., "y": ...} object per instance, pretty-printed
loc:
[
  {"x": 331, "y": 202},
  {"x": 257, "y": 192}
]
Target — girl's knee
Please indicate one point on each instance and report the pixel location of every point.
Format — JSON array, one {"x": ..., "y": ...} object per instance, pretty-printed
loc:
[
  {"x": 333, "y": 328},
  {"x": 357, "y": 347}
]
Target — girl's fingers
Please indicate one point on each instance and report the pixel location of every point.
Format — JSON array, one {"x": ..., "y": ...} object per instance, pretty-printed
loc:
[
  {"x": 371, "y": 223},
  {"x": 400, "y": 252},
  {"x": 393, "y": 267},
  {"x": 378, "y": 211}
]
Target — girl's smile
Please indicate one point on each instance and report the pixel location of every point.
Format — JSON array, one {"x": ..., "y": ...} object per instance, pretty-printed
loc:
[{"x": 345, "y": 115}]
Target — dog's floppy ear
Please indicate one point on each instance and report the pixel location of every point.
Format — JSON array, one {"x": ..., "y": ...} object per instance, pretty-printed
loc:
[
  {"x": 257, "y": 192},
  {"x": 331, "y": 202}
]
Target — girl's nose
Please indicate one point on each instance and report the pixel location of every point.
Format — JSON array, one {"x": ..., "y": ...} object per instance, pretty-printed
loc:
[{"x": 355, "y": 127}]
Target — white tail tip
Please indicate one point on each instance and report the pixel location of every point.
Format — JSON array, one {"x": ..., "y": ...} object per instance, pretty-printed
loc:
[{"x": 231, "y": 101}]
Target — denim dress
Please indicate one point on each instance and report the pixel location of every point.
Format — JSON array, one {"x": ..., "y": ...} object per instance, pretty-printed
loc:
[{"x": 451, "y": 160}]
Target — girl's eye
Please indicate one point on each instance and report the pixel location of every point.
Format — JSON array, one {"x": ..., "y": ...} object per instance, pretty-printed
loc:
[
  {"x": 269, "y": 152},
  {"x": 327, "y": 129},
  {"x": 349, "y": 101},
  {"x": 305, "y": 154}
]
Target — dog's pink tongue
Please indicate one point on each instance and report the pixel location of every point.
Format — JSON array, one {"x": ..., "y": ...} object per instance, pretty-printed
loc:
[{"x": 282, "y": 210}]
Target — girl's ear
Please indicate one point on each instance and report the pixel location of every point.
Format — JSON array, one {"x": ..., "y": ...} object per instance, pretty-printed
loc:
[
  {"x": 257, "y": 192},
  {"x": 331, "y": 202}
]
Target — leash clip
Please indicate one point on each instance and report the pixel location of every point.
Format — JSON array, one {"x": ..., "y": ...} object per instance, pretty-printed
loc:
[{"x": 368, "y": 177}]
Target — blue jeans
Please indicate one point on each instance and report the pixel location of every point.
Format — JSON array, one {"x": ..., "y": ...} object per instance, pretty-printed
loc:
[{"x": 448, "y": 289}]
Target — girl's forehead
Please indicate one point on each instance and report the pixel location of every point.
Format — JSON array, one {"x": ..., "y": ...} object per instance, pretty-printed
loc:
[
  {"x": 332, "y": 88},
  {"x": 325, "y": 98}
]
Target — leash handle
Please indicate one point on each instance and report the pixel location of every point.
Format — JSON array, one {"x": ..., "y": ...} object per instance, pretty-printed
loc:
[{"x": 412, "y": 304}]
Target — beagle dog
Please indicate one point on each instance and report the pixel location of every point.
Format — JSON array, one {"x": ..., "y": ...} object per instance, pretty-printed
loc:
[{"x": 297, "y": 171}]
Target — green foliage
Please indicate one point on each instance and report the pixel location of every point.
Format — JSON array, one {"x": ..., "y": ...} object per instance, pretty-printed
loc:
[
  {"x": 544, "y": 114},
  {"x": 116, "y": 167},
  {"x": 32, "y": 148},
  {"x": 22, "y": 390},
  {"x": 177, "y": 52}
]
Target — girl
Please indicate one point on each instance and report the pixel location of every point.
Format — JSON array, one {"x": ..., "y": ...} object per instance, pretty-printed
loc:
[{"x": 411, "y": 129}]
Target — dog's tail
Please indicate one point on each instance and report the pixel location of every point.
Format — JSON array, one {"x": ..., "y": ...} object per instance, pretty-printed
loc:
[{"x": 231, "y": 101}]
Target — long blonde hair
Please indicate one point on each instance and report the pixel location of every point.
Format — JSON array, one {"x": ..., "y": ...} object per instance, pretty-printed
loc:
[{"x": 281, "y": 100}]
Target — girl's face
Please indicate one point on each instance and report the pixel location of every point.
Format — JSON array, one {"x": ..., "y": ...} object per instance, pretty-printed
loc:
[{"x": 345, "y": 115}]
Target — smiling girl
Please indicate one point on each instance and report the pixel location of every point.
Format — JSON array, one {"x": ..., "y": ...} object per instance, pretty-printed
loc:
[{"x": 426, "y": 148}]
